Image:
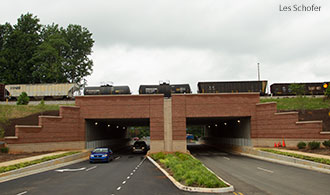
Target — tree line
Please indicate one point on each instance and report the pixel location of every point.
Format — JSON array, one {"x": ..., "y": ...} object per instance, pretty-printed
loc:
[{"x": 34, "y": 53}]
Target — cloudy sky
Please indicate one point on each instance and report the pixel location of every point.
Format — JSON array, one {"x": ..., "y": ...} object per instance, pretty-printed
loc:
[{"x": 186, "y": 41}]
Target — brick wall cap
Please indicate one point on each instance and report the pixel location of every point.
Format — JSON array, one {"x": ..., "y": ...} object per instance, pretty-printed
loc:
[
  {"x": 27, "y": 126},
  {"x": 74, "y": 107},
  {"x": 45, "y": 116},
  {"x": 260, "y": 104},
  {"x": 11, "y": 137},
  {"x": 284, "y": 113},
  {"x": 121, "y": 95},
  {"x": 308, "y": 122},
  {"x": 218, "y": 94}
]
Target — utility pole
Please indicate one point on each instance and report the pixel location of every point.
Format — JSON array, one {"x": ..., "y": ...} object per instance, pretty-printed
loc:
[{"x": 258, "y": 72}]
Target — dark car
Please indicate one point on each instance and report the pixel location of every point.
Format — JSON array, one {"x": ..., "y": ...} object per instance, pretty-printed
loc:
[
  {"x": 140, "y": 147},
  {"x": 101, "y": 155}
]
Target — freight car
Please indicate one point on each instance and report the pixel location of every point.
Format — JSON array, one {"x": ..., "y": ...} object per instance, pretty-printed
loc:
[
  {"x": 107, "y": 90},
  {"x": 43, "y": 91},
  {"x": 233, "y": 87},
  {"x": 283, "y": 89},
  {"x": 164, "y": 88},
  {"x": 2, "y": 92}
]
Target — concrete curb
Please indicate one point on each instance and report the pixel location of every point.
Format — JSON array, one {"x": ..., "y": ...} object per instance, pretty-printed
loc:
[
  {"x": 287, "y": 160},
  {"x": 44, "y": 166},
  {"x": 193, "y": 189}
]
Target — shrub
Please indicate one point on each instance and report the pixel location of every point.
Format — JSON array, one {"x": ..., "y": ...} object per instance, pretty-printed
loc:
[
  {"x": 314, "y": 145},
  {"x": 326, "y": 143},
  {"x": 23, "y": 99},
  {"x": 4, "y": 150},
  {"x": 301, "y": 145}
]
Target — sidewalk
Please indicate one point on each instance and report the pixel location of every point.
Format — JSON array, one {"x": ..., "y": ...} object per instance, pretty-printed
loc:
[
  {"x": 12, "y": 162},
  {"x": 298, "y": 152}
]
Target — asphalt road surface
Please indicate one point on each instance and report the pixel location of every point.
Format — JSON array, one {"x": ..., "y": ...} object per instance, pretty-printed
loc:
[
  {"x": 252, "y": 176},
  {"x": 127, "y": 174}
]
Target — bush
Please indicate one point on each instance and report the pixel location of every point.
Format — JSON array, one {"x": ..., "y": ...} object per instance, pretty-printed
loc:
[
  {"x": 326, "y": 143},
  {"x": 23, "y": 99},
  {"x": 4, "y": 150},
  {"x": 314, "y": 145},
  {"x": 301, "y": 145}
]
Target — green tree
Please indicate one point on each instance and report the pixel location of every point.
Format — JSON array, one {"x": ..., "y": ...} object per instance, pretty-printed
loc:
[
  {"x": 77, "y": 65},
  {"x": 327, "y": 92},
  {"x": 23, "y": 99},
  {"x": 298, "y": 89}
]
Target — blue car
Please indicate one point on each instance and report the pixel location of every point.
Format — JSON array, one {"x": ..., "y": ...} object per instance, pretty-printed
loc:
[{"x": 101, "y": 155}]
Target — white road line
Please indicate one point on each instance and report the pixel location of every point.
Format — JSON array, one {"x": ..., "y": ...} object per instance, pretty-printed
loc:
[
  {"x": 90, "y": 168},
  {"x": 118, "y": 188},
  {"x": 128, "y": 177},
  {"x": 117, "y": 158},
  {"x": 226, "y": 158},
  {"x": 22, "y": 193},
  {"x": 131, "y": 173},
  {"x": 124, "y": 182},
  {"x": 134, "y": 170},
  {"x": 266, "y": 170}
]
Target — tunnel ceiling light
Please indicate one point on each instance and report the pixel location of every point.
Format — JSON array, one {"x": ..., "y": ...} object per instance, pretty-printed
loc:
[
  {"x": 238, "y": 121},
  {"x": 96, "y": 123},
  {"x": 123, "y": 127},
  {"x": 109, "y": 125},
  {"x": 209, "y": 126},
  {"x": 117, "y": 127},
  {"x": 216, "y": 125},
  {"x": 225, "y": 123}
]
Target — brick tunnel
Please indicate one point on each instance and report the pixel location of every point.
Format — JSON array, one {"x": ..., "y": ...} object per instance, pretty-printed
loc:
[{"x": 230, "y": 120}]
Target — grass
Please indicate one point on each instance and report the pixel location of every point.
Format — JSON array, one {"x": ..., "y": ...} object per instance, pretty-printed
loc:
[
  {"x": 18, "y": 111},
  {"x": 29, "y": 163},
  {"x": 314, "y": 159},
  {"x": 188, "y": 170},
  {"x": 299, "y": 103}
]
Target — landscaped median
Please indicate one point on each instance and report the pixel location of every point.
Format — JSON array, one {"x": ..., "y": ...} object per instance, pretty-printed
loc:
[
  {"x": 310, "y": 158},
  {"x": 41, "y": 164},
  {"x": 188, "y": 173},
  {"x": 33, "y": 162}
]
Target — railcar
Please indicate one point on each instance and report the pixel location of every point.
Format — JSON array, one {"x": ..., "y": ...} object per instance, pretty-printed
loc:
[
  {"x": 107, "y": 90},
  {"x": 2, "y": 92},
  {"x": 283, "y": 89},
  {"x": 164, "y": 88},
  {"x": 232, "y": 87},
  {"x": 43, "y": 91}
]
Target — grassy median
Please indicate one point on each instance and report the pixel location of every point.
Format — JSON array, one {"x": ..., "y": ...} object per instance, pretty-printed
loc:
[
  {"x": 33, "y": 162},
  {"x": 314, "y": 159},
  {"x": 188, "y": 170}
]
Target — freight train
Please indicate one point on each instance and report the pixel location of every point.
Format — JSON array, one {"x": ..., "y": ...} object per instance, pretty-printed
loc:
[{"x": 68, "y": 90}]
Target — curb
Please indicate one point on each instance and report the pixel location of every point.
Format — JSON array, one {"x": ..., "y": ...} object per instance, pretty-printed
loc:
[
  {"x": 193, "y": 189},
  {"x": 287, "y": 160},
  {"x": 44, "y": 166}
]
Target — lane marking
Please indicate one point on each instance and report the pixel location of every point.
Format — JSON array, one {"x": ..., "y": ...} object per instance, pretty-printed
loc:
[
  {"x": 22, "y": 193},
  {"x": 226, "y": 158},
  {"x": 266, "y": 170},
  {"x": 70, "y": 170},
  {"x": 124, "y": 182},
  {"x": 118, "y": 188},
  {"x": 134, "y": 170},
  {"x": 235, "y": 193},
  {"x": 91, "y": 168},
  {"x": 128, "y": 177},
  {"x": 240, "y": 193},
  {"x": 131, "y": 173},
  {"x": 117, "y": 158}
]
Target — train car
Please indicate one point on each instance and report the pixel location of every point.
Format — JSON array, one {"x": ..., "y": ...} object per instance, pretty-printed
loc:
[
  {"x": 2, "y": 92},
  {"x": 164, "y": 88},
  {"x": 283, "y": 89},
  {"x": 233, "y": 87},
  {"x": 43, "y": 91},
  {"x": 107, "y": 90}
]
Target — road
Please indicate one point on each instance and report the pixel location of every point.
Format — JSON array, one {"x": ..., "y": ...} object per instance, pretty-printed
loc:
[
  {"x": 252, "y": 176},
  {"x": 127, "y": 174}
]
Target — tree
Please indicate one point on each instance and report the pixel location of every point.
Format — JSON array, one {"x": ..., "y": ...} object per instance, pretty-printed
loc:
[
  {"x": 77, "y": 65},
  {"x": 298, "y": 89},
  {"x": 23, "y": 99}
]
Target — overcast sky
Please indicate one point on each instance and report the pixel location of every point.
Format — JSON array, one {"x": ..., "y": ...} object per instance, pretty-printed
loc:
[{"x": 186, "y": 41}]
